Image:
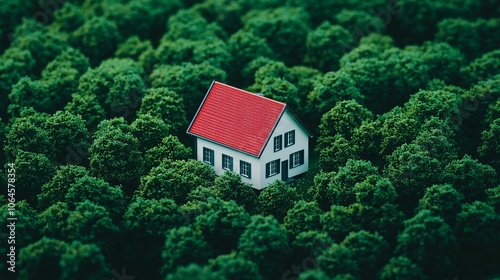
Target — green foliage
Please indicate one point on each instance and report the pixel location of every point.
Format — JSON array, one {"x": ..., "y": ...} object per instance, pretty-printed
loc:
[
  {"x": 222, "y": 224},
  {"x": 230, "y": 187},
  {"x": 285, "y": 30},
  {"x": 401, "y": 268},
  {"x": 53, "y": 221},
  {"x": 42, "y": 258},
  {"x": 83, "y": 261},
  {"x": 470, "y": 177},
  {"x": 166, "y": 105},
  {"x": 443, "y": 201},
  {"x": 97, "y": 38},
  {"x": 56, "y": 189},
  {"x": 111, "y": 156},
  {"x": 67, "y": 131},
  {"x": 195, "y": 272},
  {"x": 338, "y": 260},
  {"x": 477, "y": 225},
  {"x": 369, "y": 250},
  {"x": 430, "y": 243},
  {"x": 175, "y": 179},
  {"x": 304, "y": 216},
  {"x": 276, "y": 199},
  {"x": 32, "y": 171},
  {"x": 170, "y": 148},
  {"x": 235, "y": 267},
  {"x": 341, "y": 120},
  {"x": 336, "y": 155},
  {"x": 326, "y": 45},
  {"x": 265, "y": 243},
  {"x": 184, "y": 246},
  {"x": 490, "y": 147},
  {"x": 99, "y": 192}
]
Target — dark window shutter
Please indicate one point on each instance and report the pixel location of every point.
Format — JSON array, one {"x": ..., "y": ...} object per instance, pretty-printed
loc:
[
  {"x": 212, "y": 157},
  {"x": 231, "y": 163},
  {"x": 290, "y": 161},
  {"x": 278, "y": 163},
  {"x": 249, "y": 170},
  {"x": 267, "y": 169},
  {"x": 301, "y": 157}
]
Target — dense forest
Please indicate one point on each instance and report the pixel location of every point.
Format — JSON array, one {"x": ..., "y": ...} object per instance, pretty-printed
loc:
[{"x": 402, "y": 96}]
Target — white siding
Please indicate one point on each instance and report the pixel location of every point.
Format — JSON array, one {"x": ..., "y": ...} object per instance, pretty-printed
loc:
[
  {"x": 286, "y": 124},
  {"x": 258, "y": 174},
  {"x": 237, "y": 156}
]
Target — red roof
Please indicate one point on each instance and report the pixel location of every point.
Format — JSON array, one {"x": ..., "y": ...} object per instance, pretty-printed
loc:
[{"x": 236, "y": 118}]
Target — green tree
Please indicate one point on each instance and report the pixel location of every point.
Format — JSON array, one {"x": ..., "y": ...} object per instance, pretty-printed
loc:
[
  {"x": 321, "y": 191},
  {"x": 88, "y": 107},
  {"x": 336, "y": 155},
  {"x": 246, "y": 47},
  {"x": 266, "y": 243},
  {"x": 67, "y": 131},
  {"x": 191, "y": 81},
  {"x": 149, "y": 131},
  {"x": 195, "y": 272},
  {"x": 493, "y": 198},
  {"x": 401, "y": 268},
  {"x": 481, "y": 68},
  {"x": 69, "y": 17},
  {"x": 175, "y": 179},
  {"x": 288, "y": 37},
  {"x": 166, "y": 105},
  {"x": 42, "y": 258},
  {"x": 111, "y": 156},
  {"x": 97, "y": 38},
  {"x": 411, "y": 170},
  {"x": 83, "y": 261},
  {"x": 133, "y": 47},
  {"x": 375, "y": 191},
  {"x": 56, "y": 189},
  {"x": 32, "y": 171},
  {"x": 490, "y": 147},
  {"x": 276, "y": 199},
  {"x": 340, "y": 221},
  {"x": 304, "y": 216},
  {"x": 233, "y": 266},
  {"x": 170, "y": 148},
  {"x": 91, "y": 223},
  {"x": 23, "y": 135},
  {"x": 366, "y": 141},
  {"x": 396, "y": 130},
  {"x": 184, "y": 246},
  {"x": 341, "y": 119},
  {"x": 118, "y": 85},
  {"x": 332, "y": 88},
  {"x": 52, "y": 222},
  {"x": 222, "y": 224},
  {"x": 325, "y": 46},
  {"x": 99, "y": 192},
  {"x": 229, "y": 186},
  {"x": 145, "y": 224},
  {"x": 443, "y": 201},
  {"x": 338, "y": 260},
  {"x": 430, "y": 243},
  {"x": 470, "y": 177},
  {"x": 343, "y": 183},
  {"x": 369, "y": 250},
  {"x": 476, "y": 231}
]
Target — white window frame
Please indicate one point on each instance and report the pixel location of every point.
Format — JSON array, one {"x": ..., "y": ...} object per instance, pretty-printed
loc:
[
  {"x": 207, "y": 155},
  {"x": 226, "y": 162},
  {"x": 245, "y": 169},
  {"x": 278, "y": 143},
  {"x": 273, "y": 168},
  {"x": 290, "y": 138}
]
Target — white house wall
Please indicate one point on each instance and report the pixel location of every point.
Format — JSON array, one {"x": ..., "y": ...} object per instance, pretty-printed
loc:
[
  {"x": 286, "y": 124},
  {"x": 237, "y": 156}
]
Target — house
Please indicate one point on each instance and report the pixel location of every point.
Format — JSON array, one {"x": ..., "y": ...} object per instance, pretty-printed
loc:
[{"x": 259, "y": 138}]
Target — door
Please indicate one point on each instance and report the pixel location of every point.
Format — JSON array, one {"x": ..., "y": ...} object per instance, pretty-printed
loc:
[{"x": 284, "y": 170}]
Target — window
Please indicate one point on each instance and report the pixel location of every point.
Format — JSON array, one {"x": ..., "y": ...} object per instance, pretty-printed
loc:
[
  {"x": 277, "y": 143},
  {"x": 208, "y": 156},
  {"x": 289, "y": 138},
  {"x": 297, "y": 159},
  {"x": 272, "y": 168},
  {"x": 227, "y": 162},
  {"x": 245, "y": 169}
]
